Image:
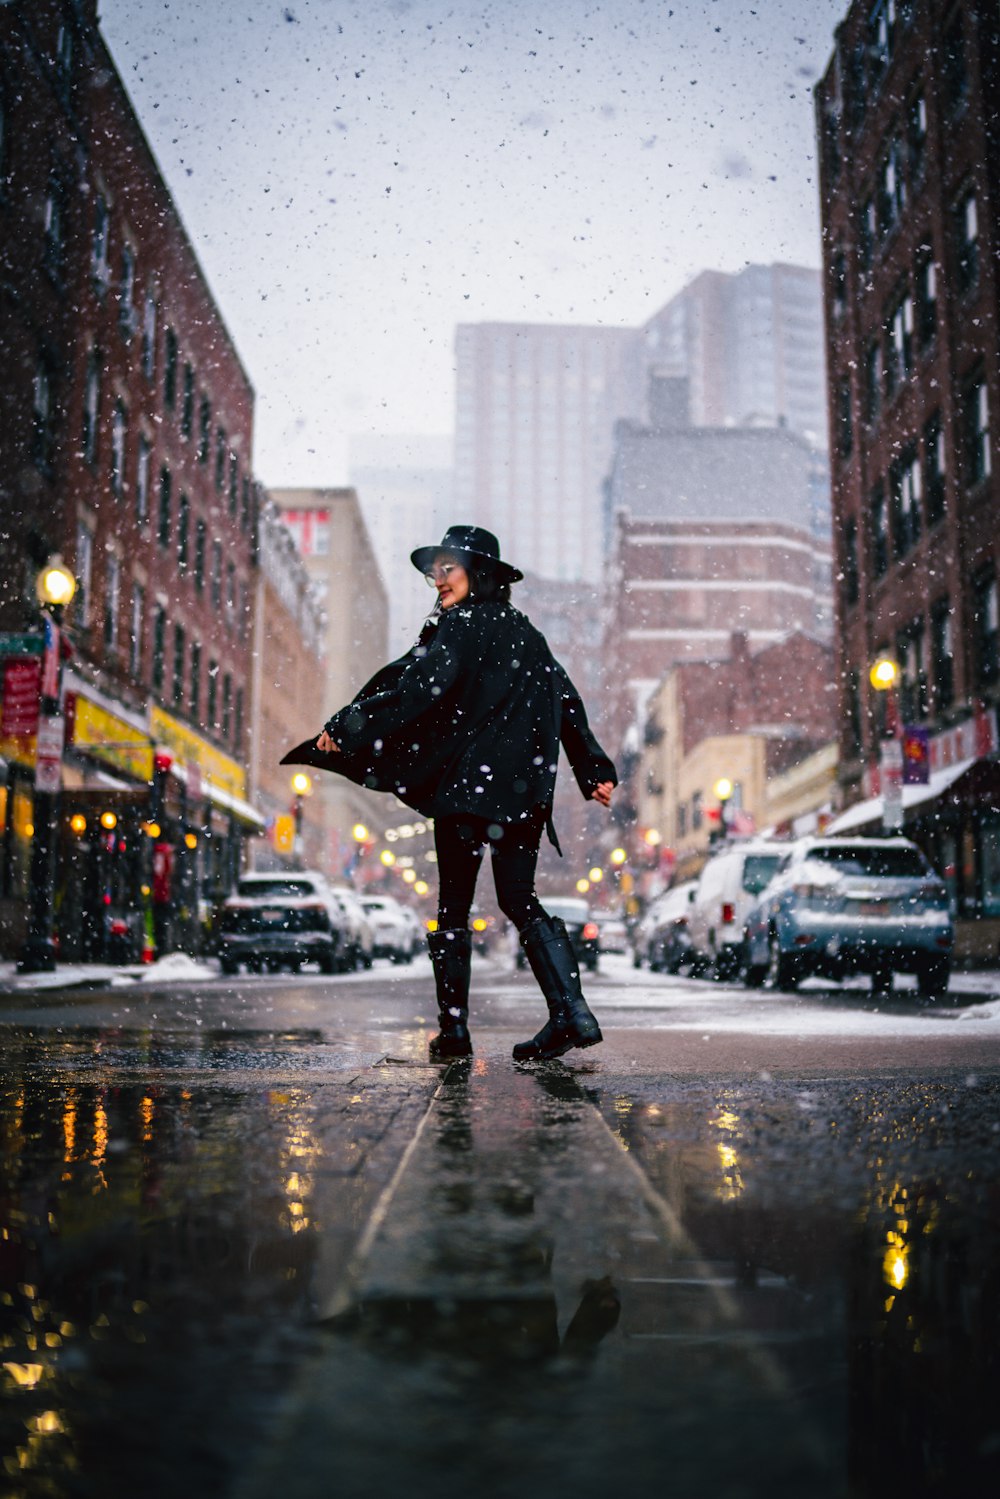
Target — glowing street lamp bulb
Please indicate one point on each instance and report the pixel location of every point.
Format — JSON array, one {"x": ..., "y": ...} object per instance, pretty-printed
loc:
[
  {"x": 652, "y": 837},
  {"x": 618, "y": 857},
  {"x": 409, "y": 875},
  {"x": 109, "y": 821},
  {"x": 55, "y": 583},
  {"x": 301, "y": 783},
  {"x": 884, "y": 674},
  {"x": 595, "y": 875},
  {"x": 583, "y": 886},
  {"x": 359, "y": 833},
  {"x": 191, "y": 840},
  {"x": 78, "y": 823},
  {"x": 387, "y": 857},
  {"x": 723, "y": 788},
  {"x": 151, "y": 829},
  {"x": 421, "y": 887}
]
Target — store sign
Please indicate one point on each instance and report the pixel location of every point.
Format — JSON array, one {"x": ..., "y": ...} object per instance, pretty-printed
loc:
[
  {"x": 106, "y": 737},
  {"x": 49, "y": 752},
  {"x": 21, "y": 684},
  {"x": 190, "y": 749},
  {"x": 916, "y": 755}
]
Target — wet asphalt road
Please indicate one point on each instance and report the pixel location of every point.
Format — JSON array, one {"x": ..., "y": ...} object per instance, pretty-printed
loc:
[{"x": 251, "y": 1243}]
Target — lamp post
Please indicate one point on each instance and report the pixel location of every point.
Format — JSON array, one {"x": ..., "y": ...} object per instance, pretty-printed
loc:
[
  {"x": 302, "y": 786},
  {"x": 54, "y": 587},
  {"x": 884, "y": 677}
]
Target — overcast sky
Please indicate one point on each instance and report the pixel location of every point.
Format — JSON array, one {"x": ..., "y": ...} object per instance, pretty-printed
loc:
[{"x": 358, "y": 178}]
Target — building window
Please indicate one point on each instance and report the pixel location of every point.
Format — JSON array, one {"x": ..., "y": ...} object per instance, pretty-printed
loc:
[
  {"x": 230, "y": 593},
  {"x": 866, "y": 233},
  {"x": 881, "y": 39},
  {"x": 183, "y": 533},
  {"x": 204, "y": 429},
  {"x": 170, "y": 369},
  {"x": 906, "y": 499},
  {"x": 163, "y": 513},
  {"x": 126, "y": 294},
  {"x": 986, "y": 625},
  {"x": 238, "y": 720},
  {"x": 216, "y": 578},
  {"x": 934, "y": 468},
  {"x": 159, "y": 646},
  {"x": 879, "y": 532},
  {"x": 899, "y": 330},
  {"x": 245, "y": 506},
  {"x": 926, "y": 299},
  {"x": 200, "y": 538},
  {"x": 194, "y": 690},
  {"x": 149, "y": 336},
  {"x": 112, "y": 591},
  {"x": 967, "y": 241},
  {"x": 3, "y": 143},
  {"x": 916, "y": 137},
  {"x": 100, "y": 259},
  {"x": 873, "y": 383},
  {"x": 91, "y": 406},
  {"x": 977, "y": 432},
  {"x": 41, "y": 414},
  {"x": 135, "y": 631},
  {"x": 853, "y": 714},
  {"x": 838, "y": 285},
  {"x": 179, "y": 655},
  {"x": 913, "y": 704},
  {"x": 84, "y": 565},
  {"x": 227, "y": 705},
  {"x": 187, "y": 404},
  {"x": 943, "y": 654},
  {"x": 54, "y": 247},
  {"x": 64, "y": 51},
  {"x": 234, "y": 485},
  {"x": 142, "y": 482},
  {"x": 220, "y": 459},
  {"x": 119, "y": 431},
  {"x": 211, "y": 715},
  {"x": 850, "y": 573},
  {"x": 681, "y": 819},
  {"x": 954, "y": 72},
  {"x": 831, "y": 143},
  {"x": 892, "y": 189},
  {"x": 697, "y": 815}
]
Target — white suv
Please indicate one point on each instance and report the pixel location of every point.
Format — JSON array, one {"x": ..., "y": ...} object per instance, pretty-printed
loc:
[{"x": 391, "y": 937}]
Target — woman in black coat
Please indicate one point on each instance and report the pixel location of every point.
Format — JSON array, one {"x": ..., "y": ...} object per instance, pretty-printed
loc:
[{"x": 465, "y": 728}]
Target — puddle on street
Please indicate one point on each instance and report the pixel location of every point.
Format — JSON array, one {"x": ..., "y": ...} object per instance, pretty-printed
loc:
[{"x": 856, "y": 1225}]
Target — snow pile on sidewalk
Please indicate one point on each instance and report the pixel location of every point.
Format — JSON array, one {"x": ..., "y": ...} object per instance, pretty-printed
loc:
[{"x": 177, "y": 965}]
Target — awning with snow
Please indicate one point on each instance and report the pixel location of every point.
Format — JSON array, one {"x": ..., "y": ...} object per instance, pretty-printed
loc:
[{"x": 871, "y": 810}]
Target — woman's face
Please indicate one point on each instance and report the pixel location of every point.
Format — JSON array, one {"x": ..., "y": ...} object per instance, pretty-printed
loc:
[{"x": 451, "y": 580}]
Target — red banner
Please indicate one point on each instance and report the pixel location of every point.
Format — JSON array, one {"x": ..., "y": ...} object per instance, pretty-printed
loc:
[{"x": 21, "y": 681}]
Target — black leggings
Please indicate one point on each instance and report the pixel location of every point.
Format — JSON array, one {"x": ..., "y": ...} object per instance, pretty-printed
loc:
[{"x": 460, "y": 841}]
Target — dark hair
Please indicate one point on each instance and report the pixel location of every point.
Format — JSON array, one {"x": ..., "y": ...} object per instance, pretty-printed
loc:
[{"x": 486, "y": 586}]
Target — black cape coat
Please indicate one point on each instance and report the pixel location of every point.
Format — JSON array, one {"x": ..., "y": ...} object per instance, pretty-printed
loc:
[{"x": 469, "y": 720}]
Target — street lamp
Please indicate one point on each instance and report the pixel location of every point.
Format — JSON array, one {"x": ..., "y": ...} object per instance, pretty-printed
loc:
[
  {"x": 723, "y": 790},
  {"x": 618, "y": 857},
  {"x": 302, "y": 786},
  {"x": 884, "y": 677},
  {"x": 54, "y": 588}
]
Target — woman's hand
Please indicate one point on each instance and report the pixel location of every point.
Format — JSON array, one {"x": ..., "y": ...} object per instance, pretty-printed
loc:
[
  {"x": 602, "y": 793},
  {"x": 326, "y": 745}
]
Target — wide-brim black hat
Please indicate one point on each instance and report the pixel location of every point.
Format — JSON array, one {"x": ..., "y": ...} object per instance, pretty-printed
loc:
[{"x": 467, "y": 541}]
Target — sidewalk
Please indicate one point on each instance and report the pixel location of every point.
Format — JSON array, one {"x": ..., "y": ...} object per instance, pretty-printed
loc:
[{"x": 175, "y": 966}]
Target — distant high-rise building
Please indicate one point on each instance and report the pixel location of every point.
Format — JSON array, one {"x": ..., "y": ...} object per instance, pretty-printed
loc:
[
  {"x": 405, "y": 485},
  {"x": 751, "y": 346},
  {"x": 535, "y": 413}
]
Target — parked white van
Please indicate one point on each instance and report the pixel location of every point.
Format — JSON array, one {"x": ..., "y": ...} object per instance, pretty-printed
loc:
[{"x": 727, "y": 887}]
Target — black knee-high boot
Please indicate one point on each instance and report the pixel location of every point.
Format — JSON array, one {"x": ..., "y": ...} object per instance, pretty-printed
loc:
[
  {"x": 557, "y": 969},
  {"x": 451, "y": 957}
]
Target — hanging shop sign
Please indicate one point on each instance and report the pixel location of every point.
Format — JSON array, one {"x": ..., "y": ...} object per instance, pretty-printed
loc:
[
  {"x": 21, "y": 684},
  {"x": 104, "y": 736},
  {"x": 49, "y": 752},
  {"x": 190, "y": 749}
]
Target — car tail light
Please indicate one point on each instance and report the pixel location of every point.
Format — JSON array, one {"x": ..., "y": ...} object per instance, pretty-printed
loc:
[
  {"x": 119, "y": 928},
  {"x": 728, "y": 913},
  {"x": 590, "y": 931}
]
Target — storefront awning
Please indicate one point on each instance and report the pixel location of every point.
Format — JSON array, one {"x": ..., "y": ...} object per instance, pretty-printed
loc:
[
  {"x": 224, "y": 800},
  {"x": 871, "y": 810}
]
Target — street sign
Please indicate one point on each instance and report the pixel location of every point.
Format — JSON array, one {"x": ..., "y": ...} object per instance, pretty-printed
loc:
[
  {"x": 49, "y": 752},
  {"x": 916, "y": 755},
  {"x": 21, "y": 645},
  {"x": 891, "y": 776}
]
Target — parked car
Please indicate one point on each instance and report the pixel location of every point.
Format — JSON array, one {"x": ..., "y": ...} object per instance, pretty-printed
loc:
[
  {"x": 359, "y": 932},
  {"x": 279, "y": 931},
  {"x": 851, "y": 905},
  {"x": 581, "y": 929},
  {"x": 416, "y": 930},
  {"x": 612, "y": 933},
  {"x": 727, "y": 887},
  {"x": 391, "y": 936},
  {"x": 668, "y": 946}
]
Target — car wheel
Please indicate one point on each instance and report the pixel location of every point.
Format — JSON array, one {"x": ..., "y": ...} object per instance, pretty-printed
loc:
[
  {"x": 229, "y": 965},
  {"x": 636, "y": 960},
  {"x": 727, "y": 965},
  {"x": 754, "y": 974},
  {"x": 882, "y": 980},
  {"x": 781, "y": 971},
  {"x": 932, "y": 978}
]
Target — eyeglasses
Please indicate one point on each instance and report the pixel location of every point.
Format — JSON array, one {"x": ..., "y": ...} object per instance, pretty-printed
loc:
[{"x": 441, "y": 573}]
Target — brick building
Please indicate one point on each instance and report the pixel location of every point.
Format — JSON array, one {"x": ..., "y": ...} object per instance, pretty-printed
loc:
[
  {"x": 748, "y": 716},
  {"x": 910, "y": 185},
  {"x": 125, "y": 445}
]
